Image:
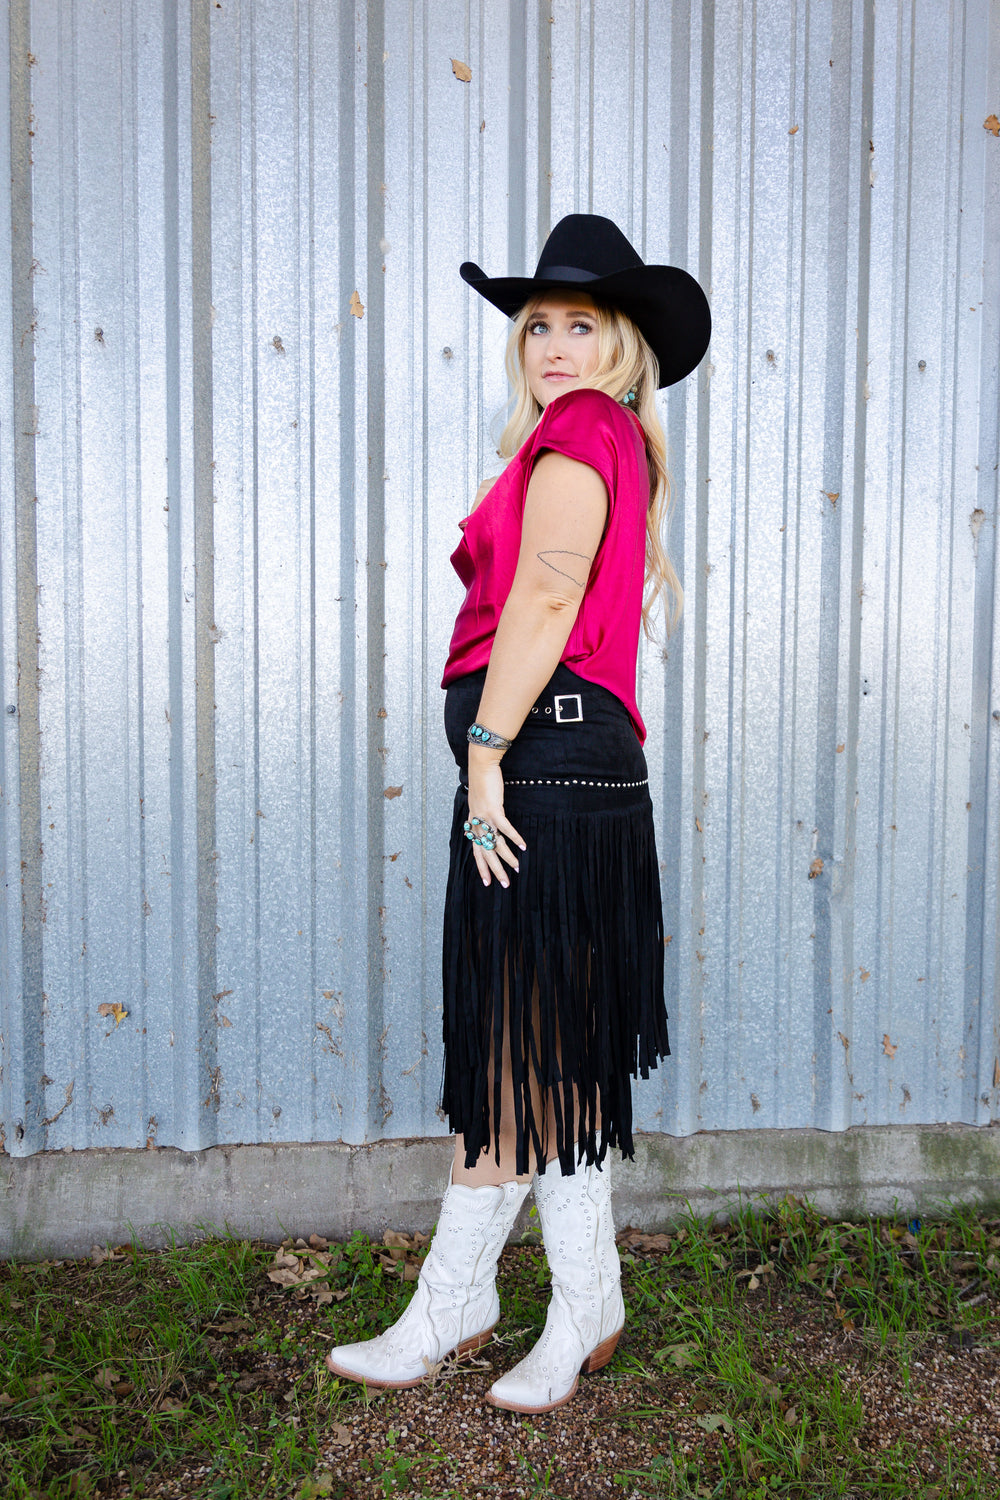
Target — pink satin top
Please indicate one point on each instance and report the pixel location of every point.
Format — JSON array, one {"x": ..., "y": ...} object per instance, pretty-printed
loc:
[{"x": 603, "y": 646}]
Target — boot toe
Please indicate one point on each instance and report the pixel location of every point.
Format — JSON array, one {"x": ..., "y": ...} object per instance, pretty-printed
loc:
[
  {"x": 372, "y": 1367},
  {"x": 530, "y": 1396}
]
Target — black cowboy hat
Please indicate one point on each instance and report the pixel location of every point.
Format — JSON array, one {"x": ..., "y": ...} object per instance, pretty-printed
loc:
[{"x": 588, "y": 252}]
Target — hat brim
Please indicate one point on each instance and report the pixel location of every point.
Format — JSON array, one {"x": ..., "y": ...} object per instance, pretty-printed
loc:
[{"x": 666, "y": 304}]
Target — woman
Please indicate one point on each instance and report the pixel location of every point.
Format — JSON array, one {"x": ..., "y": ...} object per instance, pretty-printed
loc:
[{"x": 553, "y": 941}]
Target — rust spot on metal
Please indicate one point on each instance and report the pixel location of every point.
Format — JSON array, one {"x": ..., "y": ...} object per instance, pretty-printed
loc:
[
  {"x": 213, "y": 1099},
  {"x": 69, "y": 1100}
]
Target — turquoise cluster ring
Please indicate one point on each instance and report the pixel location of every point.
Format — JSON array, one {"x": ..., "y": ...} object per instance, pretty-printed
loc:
[{"x": 481, "y": 833}]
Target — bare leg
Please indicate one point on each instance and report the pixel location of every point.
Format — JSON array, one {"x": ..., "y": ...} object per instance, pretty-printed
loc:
[{"x": 488, "y": 1172}]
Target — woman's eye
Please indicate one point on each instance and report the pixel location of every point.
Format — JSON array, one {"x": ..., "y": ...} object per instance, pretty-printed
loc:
[
  {"x": 586, "y": 327},
  {"x": 537, "y": 328}
]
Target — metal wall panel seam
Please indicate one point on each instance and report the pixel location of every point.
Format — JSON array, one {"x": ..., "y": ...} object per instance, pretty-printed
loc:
[
  {"x": 667, "y": 108},
  {"x": 186, "y": 1106},
  {"x": 311, "y": 1117},
  {"x": 877, "y": 839},
  {"x": 834, "y": 61},
  {"x": 816, "y": 451},
  {"x": 785, "y": 883},
  {"x": 341, "y": 963},
  {"x": 353, "y": 679},
  {"x": 10, "y": 852},
  {"x": 696, "y": 630},
  {"x": 151, "y": 808},
  {"x": 21, "y": 1000},
  {"x": 399, "y": 712},
  {"x": 836, "y": 820},
  {"x": 202, "y": 500},
  {"x": 982, "y": 993},
  {"x": 26, "y": 1061},
  {"x": 370, "y": 255}
]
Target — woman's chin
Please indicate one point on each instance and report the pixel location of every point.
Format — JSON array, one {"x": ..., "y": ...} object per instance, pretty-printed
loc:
[{"x": 549, "y": 390}]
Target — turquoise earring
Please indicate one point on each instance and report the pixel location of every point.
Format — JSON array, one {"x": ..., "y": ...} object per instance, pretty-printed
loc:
[{"x": 630, "y": 397}]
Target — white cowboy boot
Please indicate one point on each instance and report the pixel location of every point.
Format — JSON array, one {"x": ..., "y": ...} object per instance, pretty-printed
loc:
[
  {"x": 454, "y": 1307},
  {"x": 586, "y": 1314}
]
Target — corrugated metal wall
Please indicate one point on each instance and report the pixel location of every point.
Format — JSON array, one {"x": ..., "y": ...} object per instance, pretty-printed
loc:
[{"x": 230, "y": 487}]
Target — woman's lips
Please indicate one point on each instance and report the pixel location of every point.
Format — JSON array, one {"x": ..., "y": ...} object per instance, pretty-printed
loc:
[{"x": 558, "y": 375}]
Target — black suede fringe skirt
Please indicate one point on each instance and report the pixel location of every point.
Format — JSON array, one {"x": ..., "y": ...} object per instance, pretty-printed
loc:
[{"x": 563, "y": 971}]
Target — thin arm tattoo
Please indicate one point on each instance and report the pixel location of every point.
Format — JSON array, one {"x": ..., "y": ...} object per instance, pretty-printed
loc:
[{"x": 543, "y": 557}]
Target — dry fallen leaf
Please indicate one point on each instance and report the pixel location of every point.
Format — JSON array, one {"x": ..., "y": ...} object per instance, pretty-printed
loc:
[
  {"x": 816, "y": 868},
  {"x": 634, "y": 1239},
  {"x": 339, "y": 1433},
  {"x": 118, "y": 1011},
  {"x": 357, "y": 306},
  {"x": 866, "y": 974},
  {"x": 304, "y": 1274},
  {"x": 794, "y": 130},
  {"x": 100, "y": 1253},
  {"x": 106, "y": 1377},
  {"x": 412, "y": 1242},
  {"x": 714, "y": 1422},
  {"x": 992, "y": 124},
  {"x": 888, "y": 1048},
  {"x": 281, "y": 1277},
  {"x": 393, "y": 791},
  {"x": 679, "y": 1355},
  {"x": 461, "y": 70}
]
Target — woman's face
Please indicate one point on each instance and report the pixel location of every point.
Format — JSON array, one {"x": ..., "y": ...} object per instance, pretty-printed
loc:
[{"x": 560, "y": 344}]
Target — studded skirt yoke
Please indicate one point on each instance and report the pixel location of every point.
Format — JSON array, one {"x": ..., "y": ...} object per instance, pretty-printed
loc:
[{"x": 563, "y": 971}]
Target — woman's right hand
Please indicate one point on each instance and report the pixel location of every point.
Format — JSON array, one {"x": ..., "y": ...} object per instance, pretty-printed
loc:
[{"x": 486, "y": 803}]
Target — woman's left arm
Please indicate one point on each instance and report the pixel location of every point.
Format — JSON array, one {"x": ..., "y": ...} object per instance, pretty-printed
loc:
[{"x": 565, "y": 511}]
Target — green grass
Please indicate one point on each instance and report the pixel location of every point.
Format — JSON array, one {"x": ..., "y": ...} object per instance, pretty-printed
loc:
[{"x": 115, "y": 1377}]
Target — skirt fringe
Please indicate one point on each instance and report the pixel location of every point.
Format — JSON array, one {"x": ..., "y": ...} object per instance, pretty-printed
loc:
[{"x": 564, "y": 972}]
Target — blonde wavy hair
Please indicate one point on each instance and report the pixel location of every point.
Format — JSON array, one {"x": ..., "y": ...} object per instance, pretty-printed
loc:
[{"x": 625, "y": 362}]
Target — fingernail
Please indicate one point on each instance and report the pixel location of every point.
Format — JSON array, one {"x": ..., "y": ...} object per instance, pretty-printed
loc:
[
  {"x": 485, "y": 881},
  {"x": 505, "y": 883},
  {"x": 517, "y": 867}
]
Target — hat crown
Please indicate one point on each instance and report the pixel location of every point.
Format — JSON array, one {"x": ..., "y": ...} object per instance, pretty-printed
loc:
[
  {"x": 588, "y": 251},
  {"x": 589, "y": 244}
]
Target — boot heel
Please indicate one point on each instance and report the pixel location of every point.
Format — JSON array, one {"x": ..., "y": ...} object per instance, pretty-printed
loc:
[
  {"x": 601, "y": 1355},
  {"x": 469, "y": 1346}
]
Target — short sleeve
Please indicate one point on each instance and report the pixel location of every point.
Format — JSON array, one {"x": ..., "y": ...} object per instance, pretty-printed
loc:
[{"x": 592, "y": 428}]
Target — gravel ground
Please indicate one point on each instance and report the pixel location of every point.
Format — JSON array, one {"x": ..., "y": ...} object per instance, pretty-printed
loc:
[{"x": 442, "y": 1439}]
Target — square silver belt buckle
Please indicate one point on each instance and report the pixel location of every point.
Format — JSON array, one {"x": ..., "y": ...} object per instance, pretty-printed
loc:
[{"x": 568, "y": 718}]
